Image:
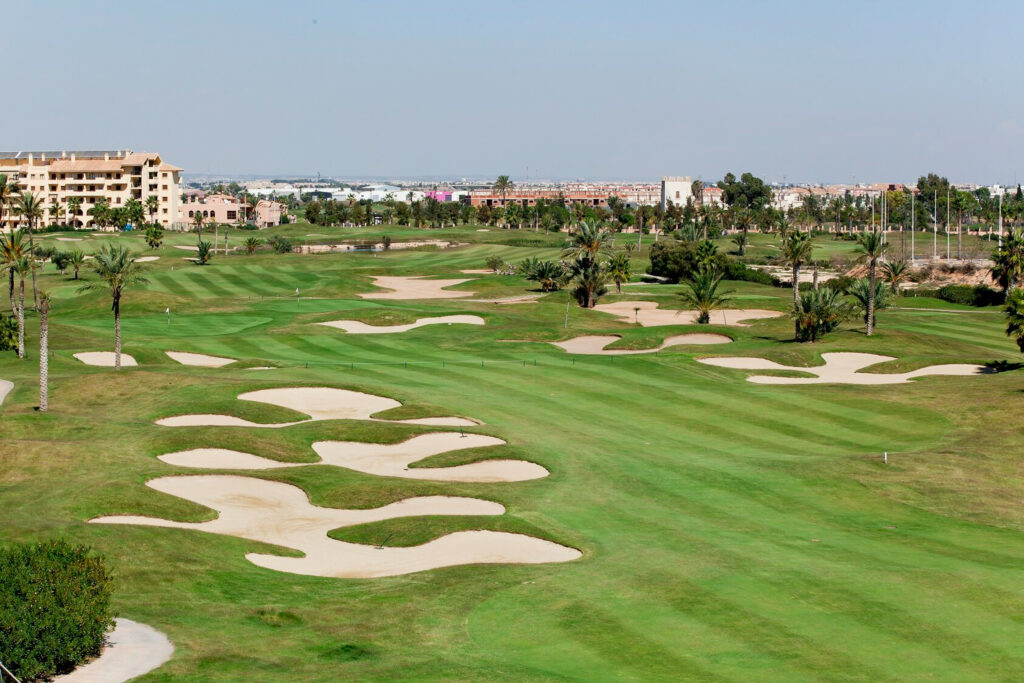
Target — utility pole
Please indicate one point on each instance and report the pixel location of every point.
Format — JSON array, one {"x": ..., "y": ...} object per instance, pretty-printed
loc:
[
  {"x": 1000, "y": 221},
  {"x": 911, "y": 228},
  {"x": 947, "y": 221},
  {"x": 935, "y": 224}
]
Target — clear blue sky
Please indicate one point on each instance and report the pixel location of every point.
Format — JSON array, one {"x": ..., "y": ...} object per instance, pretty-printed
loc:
[{"x": 809, "y": 91}]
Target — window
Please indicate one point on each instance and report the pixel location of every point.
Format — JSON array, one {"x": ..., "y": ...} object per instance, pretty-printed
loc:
[
  {"x": 190, "y": 213},
  {"x": 677, "y": 194},
  {"x": 232, "y": 215}
]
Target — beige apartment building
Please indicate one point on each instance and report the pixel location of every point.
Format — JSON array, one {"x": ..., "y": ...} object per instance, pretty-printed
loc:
[{"x": 113, "y": 175}]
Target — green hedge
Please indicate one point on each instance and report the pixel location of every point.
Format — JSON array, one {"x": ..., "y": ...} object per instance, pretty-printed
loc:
[
  {"x": 54, "y": 607},
  {"x": 979, "y": 295}
]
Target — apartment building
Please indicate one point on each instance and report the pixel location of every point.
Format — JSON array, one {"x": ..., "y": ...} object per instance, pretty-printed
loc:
[
  {"x": 92, "y": 176},
  {"x": 223, "y": 208}
]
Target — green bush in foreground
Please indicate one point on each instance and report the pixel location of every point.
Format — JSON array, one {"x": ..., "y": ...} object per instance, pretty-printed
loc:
[
  {"x": 54, "y": 607},
  {"x": 979, "y": 295}
]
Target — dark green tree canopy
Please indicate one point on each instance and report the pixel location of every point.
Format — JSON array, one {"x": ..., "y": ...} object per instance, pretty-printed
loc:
[{"x": 748, "y": 192}]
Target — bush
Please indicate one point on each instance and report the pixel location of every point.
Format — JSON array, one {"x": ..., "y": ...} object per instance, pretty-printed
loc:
[
  {"x": 495, "y": 263},
  {"x": 967, "y": 295},
  {"x": 8, "y": 334},
  {"x": 737, "y": 270},
  {"x": 678, "y": 261},
  {"x": 281, "y": 245},
  {"x": 842, "y": 283},
  {"x": 54, "y": 607}
]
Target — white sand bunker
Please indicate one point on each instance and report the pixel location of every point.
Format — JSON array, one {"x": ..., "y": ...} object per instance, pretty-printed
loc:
[
  {"x": 104, "y": 359},
  {"x": 281, "y": 514},
  {"x": 839, "y": 368},
  {"x": 69, "y": 239},
  {"x": 356, "y": 327},
  {"x": 594, "y": 344},
  {"x": 649, "y": 315},
  {"x": 5, "y": 388},
  {"x": 320, "y": 403},
  {"x": 146, "y": 259},
  {"x": 385, "y": 460},
  {"x": 186, "y": 247},
  {"x": 198, "y": 359},
  {"x": 478, "y": 271},
  {"x": 132, "y": 650},
  {"x": 415, "y": 288}
]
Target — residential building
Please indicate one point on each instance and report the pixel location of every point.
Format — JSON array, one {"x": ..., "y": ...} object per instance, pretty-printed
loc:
[
  {"x": 268, "y": 213},
  {"x": 675, "y": 189},
  {"x": 215, "y": 208},
  {"x": 113, "y": 176}
]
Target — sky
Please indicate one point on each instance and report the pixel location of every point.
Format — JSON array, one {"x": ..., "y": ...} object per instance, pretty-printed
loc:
[{"x": 815, "y": 91}]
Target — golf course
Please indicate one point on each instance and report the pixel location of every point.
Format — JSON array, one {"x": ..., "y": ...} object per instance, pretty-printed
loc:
[{"x": 397, "y": 464}]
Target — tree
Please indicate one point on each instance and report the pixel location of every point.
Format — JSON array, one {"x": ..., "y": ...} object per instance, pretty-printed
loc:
[
  {"x": 870, "y": 301},
  {"x": 590, "y": 277},
  {"x": 56, "y": 211},
  {"x": 707, "y": 253},
  {"x": 12, "y": 248},
  {"x": 820, "y": 312},
  {"x": 44, "y": 340},
  {"x": 152, "y": 205},
  {"x": 100, "y": 212},
  {"x": 702, "y": 293},
  {"x": 31, "y": 209},
  {"x": 117, "y": 271},
  {"x": 503, "y": 185},
  {"x": 549, "y": 274},
  {"x": 204, "y": 252},
  {"x": 8, "y": 333},
  {"x": 618, "y": 270},
  {"x": 8, "y": 191},
  {"x": 252, "y": 244},
  {"x": 870, "y": 248},
  {"x": 1008, "y": 266},
  {"x": 1015, "y": 317},
  {"x": 74, "y": 206},
  {"x": 894, "y": 273},
  {"x": 154, "y": 236},
  {"x": 745, "y": 198},
  {"x": 796, "y": 250},
  {"x": 134, "y": 212},
  {"x": 22, "y": 268},
  {"x": 75, "y": 260},
  {"x": 198, "y": 220},
  {"x": 589, "y": 241}
]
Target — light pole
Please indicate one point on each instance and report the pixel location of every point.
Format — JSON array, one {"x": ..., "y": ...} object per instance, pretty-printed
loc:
[
  {"x": 911, "y": 228},
  {"x": 947, "y": 221},
  {"x": 935, "y": 224},
  {"x": 1000, "y": 220}
]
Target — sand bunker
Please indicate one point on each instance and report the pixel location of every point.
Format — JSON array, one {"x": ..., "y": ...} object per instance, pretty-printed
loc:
[
  {"x": 593, "y": 344},
  {"x": 146, "y": 259},
  {"x": 521, "y": 299},
  {"x": 281, "y": 514},
  {"x": 186, "y": 247},
  {"x": 69, "y": 239},
  {"x": 650, "y": 315},
  {"x": 385, "y": 460},
  {"x": 320, "y": 403},
  {"x": 198, "y": 359},
  {"x": 5, "y": 388},
  {"x": 415, "y": 288},
  {"x": 132, "y": 650},
  {"x": 839, "y": 368},
  {"x": 104, "y": 359},
  {"x": 478, "y": 271},
  {"x": 356, "y": 327}
]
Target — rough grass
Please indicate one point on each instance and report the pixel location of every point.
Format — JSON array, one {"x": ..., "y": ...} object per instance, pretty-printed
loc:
[{"x": 729, "y": 530}]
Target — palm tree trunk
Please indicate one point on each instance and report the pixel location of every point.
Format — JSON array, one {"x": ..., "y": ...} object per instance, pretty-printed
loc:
[
  {"x": 10, "y": 290},
  {"x": 21, "y": 322},
  {"x": 117, "y": 333},
  {"x": 871, "y": 298},
  {"x": 32, "y": 263},
  {"x": 815, "y": 277},
  {"x": 44, "y": 368},
  {"x": 225, "y": 241}
]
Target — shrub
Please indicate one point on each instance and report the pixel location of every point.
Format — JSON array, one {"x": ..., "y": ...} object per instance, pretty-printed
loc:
[
  {"x": 8, "y": 334},
  {"x": 61, "y": 260},
  {"x": 45, "y": 251},
  {"x": 678, "y": 261},
  {"x": 495, "y": 263},
  {"x": 819, "y": 312},
  {"x": 54, "y": 607},
  {"x": 281, "y": 245},
  {"x": 967, "y": 295},
  {"x": 842, "y": 283},
  {"x": 737, "y": 270}
]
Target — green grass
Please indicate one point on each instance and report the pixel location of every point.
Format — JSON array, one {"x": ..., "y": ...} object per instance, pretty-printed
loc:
[{"x": 730, "y": 531}]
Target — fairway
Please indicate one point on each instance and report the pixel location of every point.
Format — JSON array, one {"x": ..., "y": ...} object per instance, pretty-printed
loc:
[{"x": 698, "y": 525}]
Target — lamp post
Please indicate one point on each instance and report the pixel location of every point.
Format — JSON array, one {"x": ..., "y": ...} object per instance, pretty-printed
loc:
[
  {"x": 935, "y": 224},
  {"x": 947, "y": 221},
  {"x": 911, "y": 228}
]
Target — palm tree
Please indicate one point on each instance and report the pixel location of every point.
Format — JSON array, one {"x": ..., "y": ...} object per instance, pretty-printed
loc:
[
  {"x": 707, "y": 253},
  {"x": 796, "y": 251},
  {"x": 820, "y": 312},
  {"x": 204, "y": 253},
  {"x": 251, "y": 244},
  {"x": 75, "y": 259},
  {"x": 702, "y": 293},
  {"x": 12, "y": 249},
  {"x": 31, "y": 209},
  {"x": 588, "y": 242},
  {"x": 618, "y": 270},
  {"x": 117, "y": 270},
  {"x": 198, "y": 219},
  {"x": 74, "y": 205},
  {"x": 868, "y": 300},
  {"x": 503, "y": 186},
  {"x": 56, "y": 211},
  {"x": 8, "y": 190},
  {"x": 870, "y": 248},
  {"x": 152, "y": 205},
  {"x": 1015, "y": 318},
  {"x": 1008, "y": 269},
  {"x": 894, "y": 273},
  {"x": 44, "y": 341},
  {"x": 22, "y": 267}
]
